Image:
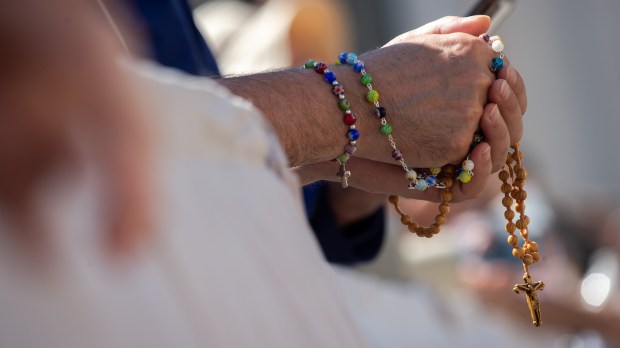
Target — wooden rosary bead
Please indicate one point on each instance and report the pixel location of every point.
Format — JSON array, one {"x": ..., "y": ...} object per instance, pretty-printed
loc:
[
  {"x": 513, "y": 240},
  {"x": 509, "y": 214},
  {"x": 528, "y": 259},
  {"x": 441, "y": 219},
  {"x": 446, "y": 195},
  {"x": 521, "y": 224},
  {"x": 503, "y": 175},
  {"x": 434, "y": 229},
  {"x": 521, "y": 174},
  {"x": 518, "y": 252},
  {"x": 525, "y": 234},
  {"x": 511, "y": 228},
  {"x": 532, "y": 246},
  {"x": 535, "y": 256},
  {"x": 507, "y": 202},
  {"x": 394, "y": 199},
  {"x": 444, "y": 208},
  {"x": 506, "y": 188},
  {"x": 522, "y": 195},
  {"x": 448, "y": 182},
  {"x": 412, "y": 227},
  {"x": 520, "y": 208},
  {"x": 405, "y": 219}
]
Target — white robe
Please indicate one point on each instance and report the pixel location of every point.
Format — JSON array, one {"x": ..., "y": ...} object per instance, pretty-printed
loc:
[{"x": 233, "y": 264}]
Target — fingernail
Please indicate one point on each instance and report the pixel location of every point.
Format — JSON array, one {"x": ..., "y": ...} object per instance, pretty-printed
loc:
[
  {"x": 486, "y": 152},
  {"x": 494, "y": 115},
  {"x": 504, "y": 90},
  {"x": 511, "y": 75},
  {"x": 474, "y": 17}
]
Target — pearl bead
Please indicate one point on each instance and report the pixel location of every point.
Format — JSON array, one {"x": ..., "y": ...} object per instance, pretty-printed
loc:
[
  {"x": 468, "y": 165},
  {"x": 497, "y": 46},
  {"x": 411, "y": 175}
]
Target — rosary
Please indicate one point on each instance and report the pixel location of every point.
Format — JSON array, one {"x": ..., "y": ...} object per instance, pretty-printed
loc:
[{"x": 512, "y": 175}]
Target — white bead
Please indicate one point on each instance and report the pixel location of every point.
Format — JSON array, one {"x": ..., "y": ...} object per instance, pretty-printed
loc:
[
  {"x": 468, "y": 165},
  {"x": 497, "y": 46},
  {"x": 352, "y": 126},
  {"x": 411, "y": 175}
]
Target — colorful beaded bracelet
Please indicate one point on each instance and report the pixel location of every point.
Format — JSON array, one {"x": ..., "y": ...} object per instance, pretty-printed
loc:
[
  {"x": 385, "y": 128},
  {"x": 349, "y": 118},
  {"x": 417, "y": 180}
]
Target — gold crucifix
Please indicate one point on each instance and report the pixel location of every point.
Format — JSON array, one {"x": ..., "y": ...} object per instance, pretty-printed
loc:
[{"x": 530, "y": 289}]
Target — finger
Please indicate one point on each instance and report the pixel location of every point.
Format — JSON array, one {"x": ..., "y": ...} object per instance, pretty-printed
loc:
[
  {"x": 501, "y": 94},
  {"x": 515, "y": 81},
  {"x": 481, "y": 156},
  {"x": 474, "y": 25},
  {"x": 495, "y": 134}
]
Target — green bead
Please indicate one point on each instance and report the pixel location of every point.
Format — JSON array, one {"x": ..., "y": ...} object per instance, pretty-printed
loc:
[
  {"x": 344, "y": 104},
  {"x": 309, "y": 64},
  {"x": 435, "y": 171},
  {"x": 372, "y": 96},
  {"x": 337, "y": 62},
  {"x": 386, "y": 129},
  {"x": 366, "y": 79},
  {"x": 465, "y": 177},
  {"x": 343, "y": 158}
]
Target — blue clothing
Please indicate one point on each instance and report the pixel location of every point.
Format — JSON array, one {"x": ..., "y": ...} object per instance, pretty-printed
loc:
[{"x": 177, "y": 43}]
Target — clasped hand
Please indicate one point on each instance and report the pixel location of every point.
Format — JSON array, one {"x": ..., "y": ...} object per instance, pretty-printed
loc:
[{"x": 438, "y": 89}]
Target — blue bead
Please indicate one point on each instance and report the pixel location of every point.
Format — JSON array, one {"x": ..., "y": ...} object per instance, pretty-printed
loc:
[
  {"x": 351, "y": 57},
  {"x": 496, "y": 64},
  {"x": 358, "y": 65},
  {"x": 330, "y": 76},
  {"x": 458, "y": 171},
  {"x": 353, "y": 134},
  {"x": 421, "y": 185},
  {"x": 431, "y": 180},
  {"x": 342, "y": 57}
]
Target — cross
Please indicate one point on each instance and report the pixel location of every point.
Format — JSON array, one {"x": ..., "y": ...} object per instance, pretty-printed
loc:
[
  {"x": 343, "y": 174},
  {"x": 530, "y": 289}
]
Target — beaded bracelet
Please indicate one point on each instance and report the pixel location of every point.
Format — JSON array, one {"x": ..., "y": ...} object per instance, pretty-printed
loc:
[
  {"x": 437, "y": 177},
  {"x": 385, "y": 128},
  {"x": 349, "y": 118}
]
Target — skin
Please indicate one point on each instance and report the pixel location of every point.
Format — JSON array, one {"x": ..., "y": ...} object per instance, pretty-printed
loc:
[
  {"x": 449, "y": 128},
  {"x": 105, "y": 111}
]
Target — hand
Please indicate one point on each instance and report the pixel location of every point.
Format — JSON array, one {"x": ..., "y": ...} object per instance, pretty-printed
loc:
[
  {"x": 501, "y": 123},
  {"x": 439, "y": 87}
]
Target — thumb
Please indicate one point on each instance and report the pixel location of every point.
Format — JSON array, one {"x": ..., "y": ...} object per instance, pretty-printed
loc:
[{"x": 474, "y": 25}]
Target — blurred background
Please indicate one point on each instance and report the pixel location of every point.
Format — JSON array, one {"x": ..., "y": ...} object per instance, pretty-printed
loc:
[{"x": 457, "y": 287}]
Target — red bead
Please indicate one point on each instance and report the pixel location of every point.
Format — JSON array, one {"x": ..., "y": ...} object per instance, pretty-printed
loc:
[
  {"x": 320, "y": 67},
  {"x": 349, "y": 119},
  {"x": 338, "y": 89}
]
